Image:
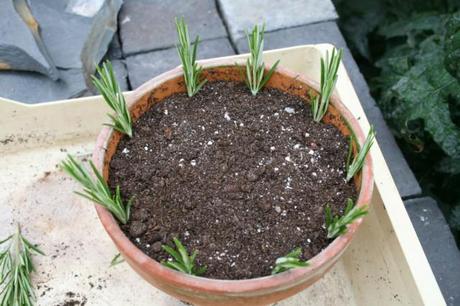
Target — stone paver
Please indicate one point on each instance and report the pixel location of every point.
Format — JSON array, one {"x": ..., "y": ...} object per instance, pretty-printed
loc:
[
  {"x": 18, "y": 49},
  {"x": 114, "y": 51},
  {"x": 64, "y": 34},
  {"x": 241, "y": 15},
  {"x": 328, "y": 32},
  {"x": 149, "y": 25},
  {"x": 143, "y": 67},
  {"x": 121, "y": 73},
  {"x": 438, "y": 244},
  {"x": 30, "y": 87}
]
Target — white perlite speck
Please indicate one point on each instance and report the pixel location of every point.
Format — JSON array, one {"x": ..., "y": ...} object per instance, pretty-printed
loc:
[
  {"x": 311, "y": 152},
  {"x": 210, "y": 142},
  {"x": 125, "y": 151},
  {"x": 193, "y": 162},
  {"x": 227, "y": 117},
  {"x": 297, "y": 146},
  {"x": 277, "y": 209},
  {"x": 272, "y": 148},
  {"x": 289, "y": 110}
]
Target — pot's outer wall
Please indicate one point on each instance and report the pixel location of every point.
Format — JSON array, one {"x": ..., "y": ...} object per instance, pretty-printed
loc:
[{"x": 204, "y": 291}]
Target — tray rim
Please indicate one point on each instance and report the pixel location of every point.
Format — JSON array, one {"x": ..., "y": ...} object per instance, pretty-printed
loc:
[{"x": 406, "y": 237}]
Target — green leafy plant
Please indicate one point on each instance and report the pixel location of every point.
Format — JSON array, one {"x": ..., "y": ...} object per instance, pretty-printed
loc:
[
  {"x": 108, "y": 87},
  {"x": 255, "y": 67},
  {"x": 329, "y": 67},
  {"x": 355, "y": 165},
  {"x": 187, "y": 54},
  {"x": 16, "y": 266},
  {"x": 181, "y": 261},
  {"x": 336, "y": 225},
  {"x": 408, "y": 52},
  {"x": 96, "y": 189},
  {"x": 290, "y": 261}
]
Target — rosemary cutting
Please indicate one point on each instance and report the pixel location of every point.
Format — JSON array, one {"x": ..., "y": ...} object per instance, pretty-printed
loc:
[
  {"x": 187, "y": 54},
  {"x": 358, "y": 162},
  {"x": 336, "y": 225},
  {"x": 108, "y": 87},
  {"x": 255, "y": 67},
  {"x": 15, "y": 268},
  {"x": 290, "y": 261},
  {"x": 329, "y": 67},
  {"x": 181, "y": 261},
  {"x": 96, "y": 189}
]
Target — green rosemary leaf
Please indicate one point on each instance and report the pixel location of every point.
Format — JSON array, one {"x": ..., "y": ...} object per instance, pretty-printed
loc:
[
  {"x": 97, "y": 190},
  {"x": 336, "y": 225},
  {"x": 181, "y": 261},
  {"x": 290, "y": 261},
  {"x": 116, "y": 260},
  {"x": 16, "y": 265},
  {"x": 187, "y": 54},
  {"x": 108, "y": 87},
  {"x": 255, "y": 66},
  {"x": 358, "y": 162},
  {"x": 329, "y": 68}
]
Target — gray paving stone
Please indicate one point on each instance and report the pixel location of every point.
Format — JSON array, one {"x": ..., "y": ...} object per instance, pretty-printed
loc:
[
  {"x": 77, "y": 31},
  {"x": 121, "y": 73},
  {"x": 240, "y": 15},
  {"x": 18, "y": 49},
  {"x": 149, "y": 25},
  {"x": 328, "y": 32},
  {"x": 143, "y": 67},
  {"x": 114, "y": 51},
  {"x": 438, "y": 244},
  {"x": 63, "y": 33},
  {"x": 30, "y": 87}
]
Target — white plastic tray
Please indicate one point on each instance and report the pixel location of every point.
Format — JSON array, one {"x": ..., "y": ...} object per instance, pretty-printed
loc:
[{"x": 385, "y": 264}]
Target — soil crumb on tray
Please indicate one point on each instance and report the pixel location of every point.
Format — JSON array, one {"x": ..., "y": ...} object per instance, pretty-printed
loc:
[{"x": 242, "y": 179}]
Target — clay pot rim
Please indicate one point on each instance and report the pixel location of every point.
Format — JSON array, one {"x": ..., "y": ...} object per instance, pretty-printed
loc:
[{"x": 252, "y": 286}]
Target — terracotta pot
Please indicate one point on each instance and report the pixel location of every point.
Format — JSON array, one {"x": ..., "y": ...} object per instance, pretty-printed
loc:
[{"x": 204, "y": 291}]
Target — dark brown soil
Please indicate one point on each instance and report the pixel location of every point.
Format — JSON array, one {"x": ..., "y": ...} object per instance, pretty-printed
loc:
[{"x": 242, "y": 179}]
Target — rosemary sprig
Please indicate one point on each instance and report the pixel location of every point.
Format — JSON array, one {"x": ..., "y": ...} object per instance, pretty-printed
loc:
[
  {"x": 336, "y": 225},
  {"x": 108, "y": 87},
  {"x": 181, "y": 261},
  {"x": 357, "y": 164},
  {"x": 329, "y": 67},
  {"x": 255, "y": 67},
  {"x": 96, "y": 189},
  {"x": 187, "y": 55},
  {"x": 290, "y": 261},
  {"x": 15, "y": 268}
]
